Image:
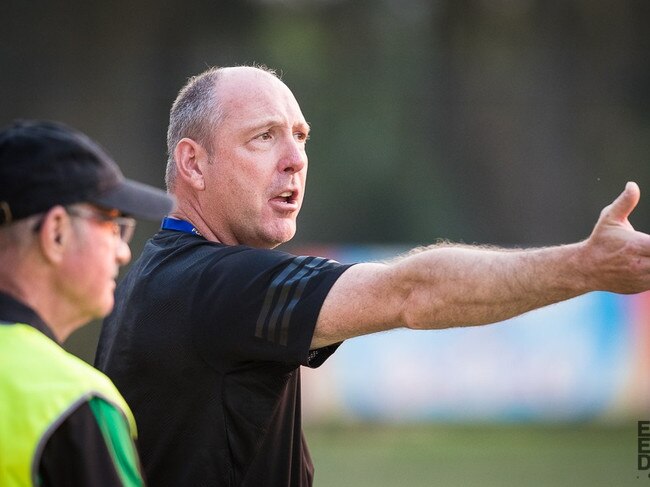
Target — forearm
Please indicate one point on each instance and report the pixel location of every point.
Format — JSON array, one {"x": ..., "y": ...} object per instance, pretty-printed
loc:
[
  {"x": 444, "y": 286},
  {"x": 454, "y": 285}
]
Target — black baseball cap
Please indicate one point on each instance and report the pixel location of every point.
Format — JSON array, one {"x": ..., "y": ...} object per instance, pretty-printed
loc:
[{"x": 46, "y": 163}]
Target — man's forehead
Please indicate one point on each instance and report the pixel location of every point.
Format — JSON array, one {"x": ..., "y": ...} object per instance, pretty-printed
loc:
[
  {"x": 238, "y": 85},
  {"x": 258, "y": 96}
]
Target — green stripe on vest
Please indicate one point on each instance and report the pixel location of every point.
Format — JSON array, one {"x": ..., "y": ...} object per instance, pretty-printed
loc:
[
  {"x": 40, "y": 384},
  {"x": 119, "y": 444}
]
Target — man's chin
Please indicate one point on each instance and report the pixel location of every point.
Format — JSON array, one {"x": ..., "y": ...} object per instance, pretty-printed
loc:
[
  {"x": 279, "y": 236},
  {"x": 105, "y": 309}
]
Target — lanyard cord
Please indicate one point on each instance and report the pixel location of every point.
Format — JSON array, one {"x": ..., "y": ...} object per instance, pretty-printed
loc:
[{"x": 177, "y": 225}]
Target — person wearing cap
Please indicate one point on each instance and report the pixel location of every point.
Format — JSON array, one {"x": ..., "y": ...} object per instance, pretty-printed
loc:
[
  {"x": 213, "y": 323},
  {"x": 66, "y": 217}
]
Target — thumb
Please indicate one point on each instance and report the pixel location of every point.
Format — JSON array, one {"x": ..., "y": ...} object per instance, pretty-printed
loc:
[{"x": 622, "y": 206}]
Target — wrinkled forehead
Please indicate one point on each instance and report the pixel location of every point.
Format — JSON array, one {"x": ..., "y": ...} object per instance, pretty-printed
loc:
[{"x": 248, "y": 93}]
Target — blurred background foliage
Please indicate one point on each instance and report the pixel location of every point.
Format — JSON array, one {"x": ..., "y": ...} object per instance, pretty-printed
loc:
[
  {"x": 509, "y": 122},
  {"x": 505, "y": 122}
]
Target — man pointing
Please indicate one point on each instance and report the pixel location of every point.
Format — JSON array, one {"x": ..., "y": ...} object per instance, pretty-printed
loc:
[{"x": 212, "y": 324}]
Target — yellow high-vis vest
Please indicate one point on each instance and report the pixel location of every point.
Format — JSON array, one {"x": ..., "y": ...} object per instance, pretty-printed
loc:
[{"x": 40, "y": 386}]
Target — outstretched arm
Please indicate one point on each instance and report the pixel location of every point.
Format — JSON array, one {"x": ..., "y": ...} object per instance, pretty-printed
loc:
[{"x": 444, "y": 286}]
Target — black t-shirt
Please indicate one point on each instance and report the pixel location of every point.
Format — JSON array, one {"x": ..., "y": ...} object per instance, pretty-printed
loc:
[{"x": 205, "y": 344}]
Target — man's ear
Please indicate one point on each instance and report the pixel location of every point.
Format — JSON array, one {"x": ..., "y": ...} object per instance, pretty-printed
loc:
[
  {"x": 54, "y": 234},
  {"x": 188, "y": 156}
]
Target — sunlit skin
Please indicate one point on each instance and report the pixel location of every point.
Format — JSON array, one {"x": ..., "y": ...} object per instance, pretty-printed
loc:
[
  {"x": 251, "y": 189},
  {"x": 64, "y": 267},
  {"x": 91, "y": 267}
]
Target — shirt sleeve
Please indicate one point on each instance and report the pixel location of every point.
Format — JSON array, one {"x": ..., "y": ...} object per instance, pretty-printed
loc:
[
  {"x": 92, "y": 446},
  {"x": 263, "y": 305}
]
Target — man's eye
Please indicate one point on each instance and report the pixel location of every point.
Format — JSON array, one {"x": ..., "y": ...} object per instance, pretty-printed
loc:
[
  {"x": 302, "y": 136},
  {"x": 264, "y": 136}
]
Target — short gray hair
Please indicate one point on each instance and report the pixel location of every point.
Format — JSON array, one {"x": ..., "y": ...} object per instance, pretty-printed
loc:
[
  {"x": 20, "y": 233},
  {"x": 194, "y": 114}
]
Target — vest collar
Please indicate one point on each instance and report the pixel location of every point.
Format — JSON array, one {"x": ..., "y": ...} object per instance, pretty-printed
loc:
[{"x": 13, "y": 311}]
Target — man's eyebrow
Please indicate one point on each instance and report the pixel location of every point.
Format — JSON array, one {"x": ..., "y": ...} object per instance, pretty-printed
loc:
[
  {"x": 263, "y": 123},
  {"x": 304, "y": 126},
  {"x": 274, "y": 122}
]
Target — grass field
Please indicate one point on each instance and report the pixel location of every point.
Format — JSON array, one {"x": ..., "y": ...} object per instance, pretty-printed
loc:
[{"x": 428, "y": 455}]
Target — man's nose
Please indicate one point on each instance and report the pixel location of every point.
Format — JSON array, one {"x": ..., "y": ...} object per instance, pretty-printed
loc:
[
  {"x": 293, "y": 158},
  {"x": 123, "y": 253}
]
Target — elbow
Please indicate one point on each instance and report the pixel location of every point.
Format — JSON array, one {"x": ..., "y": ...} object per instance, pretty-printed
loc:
[
  {"x": 413, "y": 322},
  {"x": 427, "y": 310},
  {"x": 422, "y": 313}
]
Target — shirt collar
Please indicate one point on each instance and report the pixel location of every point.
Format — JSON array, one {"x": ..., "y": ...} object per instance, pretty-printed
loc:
[{"x": 13, "y": 311}]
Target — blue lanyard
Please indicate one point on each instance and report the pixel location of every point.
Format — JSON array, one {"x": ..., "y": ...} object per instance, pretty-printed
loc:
[{"x": 178, "y": 225}]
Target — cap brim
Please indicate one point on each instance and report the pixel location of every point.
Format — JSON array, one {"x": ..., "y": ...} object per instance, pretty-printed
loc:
[{"x": 137, "y": 199}]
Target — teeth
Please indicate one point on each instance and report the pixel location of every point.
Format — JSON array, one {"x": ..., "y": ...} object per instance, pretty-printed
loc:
[{"x": 286, "y": 194}]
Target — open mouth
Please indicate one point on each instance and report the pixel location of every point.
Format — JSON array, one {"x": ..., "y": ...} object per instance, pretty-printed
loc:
[{"x": 287, "y": 197}]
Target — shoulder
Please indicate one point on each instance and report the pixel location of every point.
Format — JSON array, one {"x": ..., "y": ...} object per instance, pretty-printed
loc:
[
  {"x": 241, "y": 265},
  {"x": 173, "y": 248}
]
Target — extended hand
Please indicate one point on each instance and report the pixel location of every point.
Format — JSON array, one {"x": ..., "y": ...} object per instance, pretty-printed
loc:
[{"x": 618, "y": 257}]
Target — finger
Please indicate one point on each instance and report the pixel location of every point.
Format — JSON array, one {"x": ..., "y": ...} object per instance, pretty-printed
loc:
[{"x": 622, "y": 206}]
